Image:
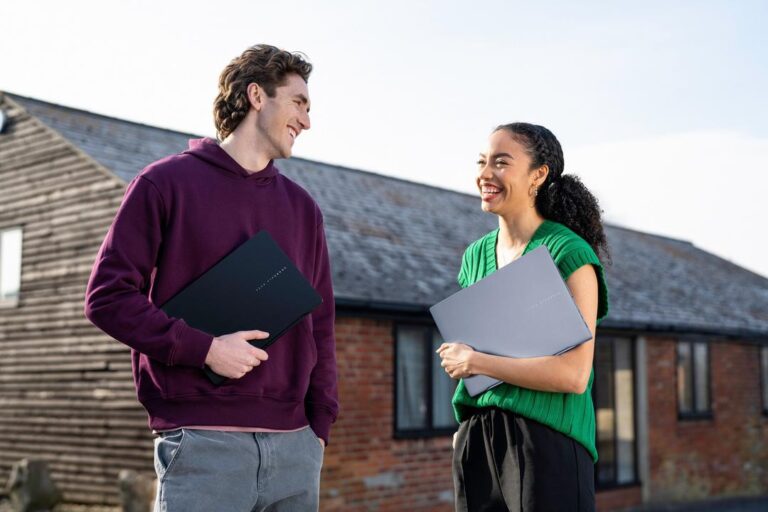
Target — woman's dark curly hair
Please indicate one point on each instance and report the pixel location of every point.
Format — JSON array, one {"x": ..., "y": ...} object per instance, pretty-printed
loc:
[
  {"x": 263, "y": 64},
  {"x": 562, "y": 197}
]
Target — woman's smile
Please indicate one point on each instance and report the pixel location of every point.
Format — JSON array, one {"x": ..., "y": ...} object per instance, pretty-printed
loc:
[{"x": 489, "y": 192}]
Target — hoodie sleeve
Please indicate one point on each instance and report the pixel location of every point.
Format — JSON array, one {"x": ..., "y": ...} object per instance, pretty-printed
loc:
[
  {"x": 117, "y": 300},
  {"x": 322, "y": 401}
]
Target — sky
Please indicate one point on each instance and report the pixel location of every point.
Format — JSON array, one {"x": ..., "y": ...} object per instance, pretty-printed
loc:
[{"x": 660, "y": 106}]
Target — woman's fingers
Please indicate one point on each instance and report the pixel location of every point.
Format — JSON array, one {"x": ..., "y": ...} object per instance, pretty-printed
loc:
[{"x": 445, "y": 346}]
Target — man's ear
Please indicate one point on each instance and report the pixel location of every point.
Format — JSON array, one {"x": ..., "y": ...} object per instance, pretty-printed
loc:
[{"x": 255, "y": 95}]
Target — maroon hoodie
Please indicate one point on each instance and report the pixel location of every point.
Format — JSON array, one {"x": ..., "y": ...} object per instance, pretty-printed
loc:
[{"x": 180, "y": 216}]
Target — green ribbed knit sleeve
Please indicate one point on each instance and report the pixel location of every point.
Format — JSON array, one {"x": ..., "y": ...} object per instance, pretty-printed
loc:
[
  {"x": 570, "y": 253},
  {"x": 573, "y": 254},
  {"x": 463, "y": 277}
]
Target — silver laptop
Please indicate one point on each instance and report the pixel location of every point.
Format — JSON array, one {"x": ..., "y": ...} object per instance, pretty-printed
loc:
[{"x": 522, "y": 310}]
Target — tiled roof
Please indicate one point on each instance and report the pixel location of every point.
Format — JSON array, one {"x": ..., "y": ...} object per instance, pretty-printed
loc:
[
  {"x": 397, "y": 244},
  {"x": 120, "y": 146}
]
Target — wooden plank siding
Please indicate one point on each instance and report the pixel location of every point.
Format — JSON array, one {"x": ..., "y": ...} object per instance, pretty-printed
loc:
[{"x": 66, "y": 391}]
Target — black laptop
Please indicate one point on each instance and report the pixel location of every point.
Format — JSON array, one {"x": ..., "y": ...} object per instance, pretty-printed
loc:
[{"x": 256, "y": 286}]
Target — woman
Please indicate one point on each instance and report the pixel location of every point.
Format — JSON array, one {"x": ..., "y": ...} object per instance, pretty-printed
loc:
[{"x": 529, "y": 443}]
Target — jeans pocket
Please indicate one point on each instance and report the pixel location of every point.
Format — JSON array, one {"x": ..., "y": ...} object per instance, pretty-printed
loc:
[
  {"x": 317, "y": 442},
  {"x": 167, "y": 449}
]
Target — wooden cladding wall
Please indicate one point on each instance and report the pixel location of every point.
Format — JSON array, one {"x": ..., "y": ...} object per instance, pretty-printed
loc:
[{"x": 66, "y": 391}]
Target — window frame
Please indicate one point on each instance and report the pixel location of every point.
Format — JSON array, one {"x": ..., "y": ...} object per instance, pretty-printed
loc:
[
  {"x": 430, "y": 430},
  {"x": 614, "y": 484},
  {"x": 12, "y": 302},
  {"x": 694, "y": 415}
]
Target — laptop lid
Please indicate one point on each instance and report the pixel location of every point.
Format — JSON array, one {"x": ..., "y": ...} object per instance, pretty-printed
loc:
[
  {"x": 522, "y": 310},
  {"x": 256, "y": 286}
]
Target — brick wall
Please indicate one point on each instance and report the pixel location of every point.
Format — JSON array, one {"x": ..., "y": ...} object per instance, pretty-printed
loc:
[
  {"x": 721, "y": 456},
  {"x": 365, "y": 468},
  {"x": 618, "y": 499}
]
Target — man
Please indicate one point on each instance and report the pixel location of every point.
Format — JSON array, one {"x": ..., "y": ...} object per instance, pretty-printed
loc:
[{"x": 257, "y": 441}]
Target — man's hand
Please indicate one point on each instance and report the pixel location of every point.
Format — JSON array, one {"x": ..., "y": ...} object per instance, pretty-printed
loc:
[
  {"x": 456, "y": 359},
  {"x": 232, "y": 356}
]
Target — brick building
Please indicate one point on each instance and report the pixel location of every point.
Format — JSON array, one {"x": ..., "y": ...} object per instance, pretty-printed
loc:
[{"x": 681, "y": 365}]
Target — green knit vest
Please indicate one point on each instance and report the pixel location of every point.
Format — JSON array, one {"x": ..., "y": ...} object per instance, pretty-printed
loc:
[{"x": 569, "y": 413}]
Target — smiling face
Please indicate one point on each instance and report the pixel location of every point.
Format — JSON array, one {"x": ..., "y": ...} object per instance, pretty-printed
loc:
[
  {"x": 505, "y": 178},
  {"x": 283, "y": 117}
]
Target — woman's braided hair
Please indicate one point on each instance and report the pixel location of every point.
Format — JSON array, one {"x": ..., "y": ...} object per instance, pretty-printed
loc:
[
  {"x": 562, "y": 197},
  {"x": 263, "y": 64}
]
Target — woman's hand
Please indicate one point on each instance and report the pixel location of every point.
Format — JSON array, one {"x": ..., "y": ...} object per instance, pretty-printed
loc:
[{"x": 456, "y": 359}]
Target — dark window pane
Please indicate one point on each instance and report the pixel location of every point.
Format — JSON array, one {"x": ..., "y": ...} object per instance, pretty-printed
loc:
[
  {"x": 442, "y": 389},
  {"x": 684, "y": 389},
  {"x": 625, "y": 411},
  {"x": 411, "y": 382},
  {"x": 604, "y": 412},
  {"x": 701, "y": 376},
  {"x": 764, "y": 366}
]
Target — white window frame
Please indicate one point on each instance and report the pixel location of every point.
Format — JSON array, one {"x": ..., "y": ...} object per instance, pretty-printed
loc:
[{"x": 10, "y": 300}]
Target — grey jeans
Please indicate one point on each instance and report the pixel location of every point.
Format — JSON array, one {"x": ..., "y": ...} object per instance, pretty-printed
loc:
[{"x": 211, "y": 471}]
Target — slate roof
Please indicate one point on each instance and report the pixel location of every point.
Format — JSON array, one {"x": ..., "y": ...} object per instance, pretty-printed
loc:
[{"x": 397, "y": 245}]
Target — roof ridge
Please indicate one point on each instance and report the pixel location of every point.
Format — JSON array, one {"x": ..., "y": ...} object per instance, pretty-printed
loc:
[
  {"x": 13, "y": 100},
  {"x": 96, "y": 114},
  {"x": 378, "y": 174},
  {"x": 646, "y": 233}
]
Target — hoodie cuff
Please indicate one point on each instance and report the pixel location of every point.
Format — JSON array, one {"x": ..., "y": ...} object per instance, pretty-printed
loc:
[
  {"x": 190, "y": 347},
  {"x": 320, "y": 421}
]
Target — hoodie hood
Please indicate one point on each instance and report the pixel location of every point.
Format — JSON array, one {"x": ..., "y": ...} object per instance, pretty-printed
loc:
[{"x": 209, "y": 151}]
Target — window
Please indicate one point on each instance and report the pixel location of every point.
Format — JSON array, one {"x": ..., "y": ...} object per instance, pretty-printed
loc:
[
  {"x": 10, "y": 265},
  {"x": 693, "y": 379},
  {"x": 764, "y": 376},
  {"x": 423, "y": 390},
  {"x": 614, "y": 397}
]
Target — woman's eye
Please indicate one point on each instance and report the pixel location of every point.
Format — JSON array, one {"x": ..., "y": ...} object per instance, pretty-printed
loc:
[
  {"x": 481, "y": 163},
  {"x": 499, "y": 163}
]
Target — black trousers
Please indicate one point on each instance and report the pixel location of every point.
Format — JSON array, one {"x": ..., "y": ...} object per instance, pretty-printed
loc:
[{"x": 504, "y": 462}]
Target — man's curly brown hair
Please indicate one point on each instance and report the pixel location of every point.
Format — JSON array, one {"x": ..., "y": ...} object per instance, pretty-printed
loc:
[{"x": 263, "y": 64}]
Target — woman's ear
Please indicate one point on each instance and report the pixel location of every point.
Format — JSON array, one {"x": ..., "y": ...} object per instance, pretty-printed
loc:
[{"x": 540, "y": 175}]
